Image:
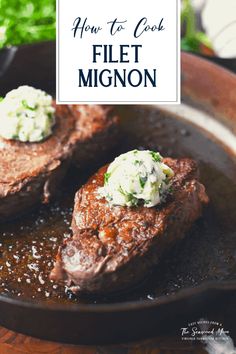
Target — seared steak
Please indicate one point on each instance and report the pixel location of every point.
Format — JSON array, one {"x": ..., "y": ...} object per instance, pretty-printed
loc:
[
  {"x": 32, "y": 172},
  {"x": 113, "y": 247}
]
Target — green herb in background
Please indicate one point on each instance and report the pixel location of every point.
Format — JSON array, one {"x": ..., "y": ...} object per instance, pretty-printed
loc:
[
  {"x": 26, "y": 21},
  {"x": 29, "y": 21},
  {"x": 193, "y": 40}
]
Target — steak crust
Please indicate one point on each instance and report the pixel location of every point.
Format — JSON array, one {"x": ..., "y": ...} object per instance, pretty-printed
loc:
[
  {"x": 32, "y": 172},
  {"x": 114, "y": 247}
]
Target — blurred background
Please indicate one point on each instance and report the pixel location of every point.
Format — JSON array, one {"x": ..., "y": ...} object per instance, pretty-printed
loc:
[
  {"x": 26, "y": 21},
  {"x": 209, "y": 27},
  {"x": 27, "y": 44},
  {"x": 28, "y": 32}
]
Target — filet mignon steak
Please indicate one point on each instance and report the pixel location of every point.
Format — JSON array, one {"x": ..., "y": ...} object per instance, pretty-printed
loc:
[
  {"x": 32, "y": 172},
  {"x": 113, "y": 247}
]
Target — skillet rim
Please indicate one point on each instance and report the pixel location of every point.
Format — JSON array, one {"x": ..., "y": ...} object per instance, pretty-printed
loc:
[{"x": 182, "y": 294}]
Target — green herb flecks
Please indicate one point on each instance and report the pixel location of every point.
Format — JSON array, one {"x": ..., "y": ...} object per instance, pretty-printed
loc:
[
  {"x": 137, "y": 162},
  {"x": 131, "y": 199},
  {"x": 192, "y": 39},
  {"x": 156, "y": 156},
  {"x": 121, "y": 191},
  {"x": 107, "y": 175},
  {"x": 142, "y": 181}
]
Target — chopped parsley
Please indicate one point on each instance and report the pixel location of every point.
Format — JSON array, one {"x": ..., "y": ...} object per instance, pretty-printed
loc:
[
  {"x": 132, "y": 199},
  {"x": 25, "y": 105},
  {"x": 107, "y": 175},
  {"x": 137, "y": 162},
  {"x": 138, "y": 177},
  {"x": 156, "y": 156},
  {"x": 142, "y": 181}
]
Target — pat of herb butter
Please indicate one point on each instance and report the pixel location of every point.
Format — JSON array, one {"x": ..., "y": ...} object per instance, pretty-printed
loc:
[
  {"x": 26, "y": 114},
  {"x": 137, "y": 178}
]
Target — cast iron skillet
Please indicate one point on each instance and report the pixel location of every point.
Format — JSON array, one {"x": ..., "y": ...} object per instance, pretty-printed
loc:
[
  {"x": 33, "y": 64},
  {"x": 196, "y": 276}
]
